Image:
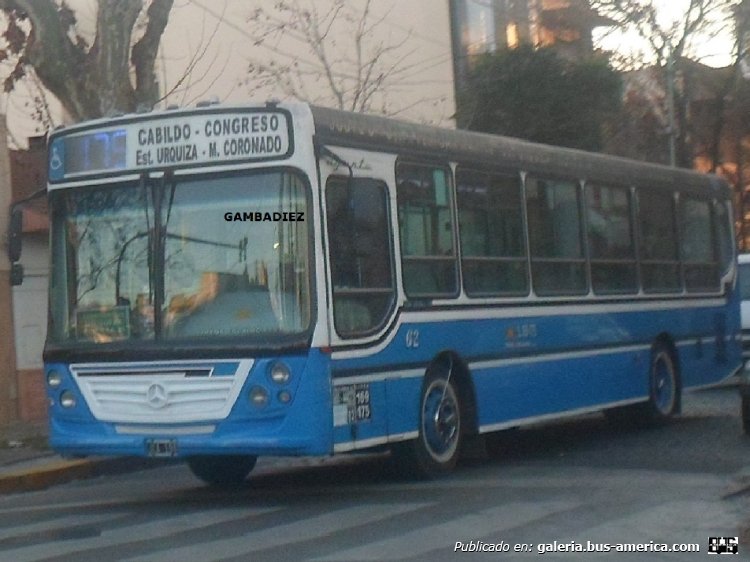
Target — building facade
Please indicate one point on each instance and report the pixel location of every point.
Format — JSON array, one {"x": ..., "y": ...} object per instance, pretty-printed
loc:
[{"x": 484, "y": 26}]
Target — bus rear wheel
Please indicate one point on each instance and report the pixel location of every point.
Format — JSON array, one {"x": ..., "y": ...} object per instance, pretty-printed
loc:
[
  {"x": 663, "y": 394},
  {"x": 746, "y": 412},
  {"x": 664, "y": 387},
  {"x": 435, "y": 450},
  {"x": 222, "y": 470}
]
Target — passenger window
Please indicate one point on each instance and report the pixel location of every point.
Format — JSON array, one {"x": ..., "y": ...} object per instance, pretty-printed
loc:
[
  {"x": 660, "y": 271},
  {"x": 428, "y": 250},
  {"x": 361, "y": 257},
  {"x": 493, "y": 253},
  {"x": 558, "y": 266},
  {"x": 610, "y": 237},
  {"x": 698, "y": 246},
  {"x": 724, "y": 235}
]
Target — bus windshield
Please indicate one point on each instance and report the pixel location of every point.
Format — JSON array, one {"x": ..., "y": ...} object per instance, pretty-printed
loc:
[{"x": 176, "y": 259}]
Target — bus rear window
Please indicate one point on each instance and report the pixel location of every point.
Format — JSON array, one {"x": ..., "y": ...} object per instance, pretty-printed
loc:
[{"x": 744, "y": 281}]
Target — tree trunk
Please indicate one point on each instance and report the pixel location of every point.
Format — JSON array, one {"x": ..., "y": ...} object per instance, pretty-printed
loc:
[{"x": 94, "y": 81}]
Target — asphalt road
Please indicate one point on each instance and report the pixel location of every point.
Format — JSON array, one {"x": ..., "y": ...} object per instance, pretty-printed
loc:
[{"x": 577, "y": 484}]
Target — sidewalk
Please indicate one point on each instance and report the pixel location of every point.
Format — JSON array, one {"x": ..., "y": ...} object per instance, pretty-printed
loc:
[{"x": 26, "y": 462}]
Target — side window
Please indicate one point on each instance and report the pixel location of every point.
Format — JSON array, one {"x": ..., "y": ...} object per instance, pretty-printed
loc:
[
  {"x": 697, "y": 246},
  {"x": 610, "y": 237},
  {"x": 428, "y": 250},
  {"x": 493, "y": 253},
  {"x": 724, "y": 234},
  {"x": 360, "y": 248},
  {"x": 557, "y": 262},
  {"x": 660, "y": 271}
]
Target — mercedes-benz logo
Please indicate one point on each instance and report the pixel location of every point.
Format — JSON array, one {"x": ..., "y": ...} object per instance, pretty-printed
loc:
[{"x": 157, "y": 396}]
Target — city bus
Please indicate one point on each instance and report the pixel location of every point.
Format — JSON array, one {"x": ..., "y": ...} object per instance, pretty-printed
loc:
[{"x": 282, "y": 279}]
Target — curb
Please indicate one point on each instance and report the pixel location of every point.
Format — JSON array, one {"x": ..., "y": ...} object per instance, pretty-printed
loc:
[
  {"x": 62, "y": 471},
  {"x": 44, "y": 476}
]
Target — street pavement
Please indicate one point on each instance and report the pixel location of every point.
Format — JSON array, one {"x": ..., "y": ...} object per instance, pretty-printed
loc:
[{"x": 567, "y": 483}]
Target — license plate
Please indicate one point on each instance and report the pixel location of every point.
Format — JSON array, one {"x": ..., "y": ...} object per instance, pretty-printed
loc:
[{"x": 161, "y": 447}]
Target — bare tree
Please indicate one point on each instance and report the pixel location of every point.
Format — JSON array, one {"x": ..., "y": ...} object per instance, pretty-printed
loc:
[
  {"x": 345, "y": 57},
  {"x": 711, "y": 127},
  {"x": 114, "y": 72},
  {"x": 675, "y": 35},
  {"x": 669, "y": 55}
]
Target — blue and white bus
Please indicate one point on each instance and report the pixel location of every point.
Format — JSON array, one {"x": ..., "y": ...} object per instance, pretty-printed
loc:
[{"x": 280, "y": 279}]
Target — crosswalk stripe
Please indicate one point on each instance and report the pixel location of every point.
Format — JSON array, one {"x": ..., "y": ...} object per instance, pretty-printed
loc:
[
  {"x": 306, "y": 529},
  {"x": 57, "y": 523},
  {"x": 670, "y": 522},
  {"x": 487, "y": 523},
  {"x": 155, "y": 529}
]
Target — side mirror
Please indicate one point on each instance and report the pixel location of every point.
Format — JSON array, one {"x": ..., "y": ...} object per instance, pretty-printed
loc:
[
  {"x": 15, "y": 231},
  {"x": 16, "y": 274}
]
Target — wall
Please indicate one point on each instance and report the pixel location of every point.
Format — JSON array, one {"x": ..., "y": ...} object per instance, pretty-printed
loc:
[
  {"x": 8, "y": 388},
  {"x": 419, "y": 31},
  {"x": 30, "y": 313}
]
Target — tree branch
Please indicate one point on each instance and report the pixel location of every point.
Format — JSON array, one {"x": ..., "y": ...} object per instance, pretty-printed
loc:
[
  {"x": 145, "y": 51},
  {"x": 109, "y": 56},
  {"x": 56, "y": 59}
]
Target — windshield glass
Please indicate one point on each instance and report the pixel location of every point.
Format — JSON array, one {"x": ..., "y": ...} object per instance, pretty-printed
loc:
[{"x": 176, "y": 259}]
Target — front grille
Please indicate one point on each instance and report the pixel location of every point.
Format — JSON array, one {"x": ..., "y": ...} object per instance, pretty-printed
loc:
[{"x": 129, "y": 394}]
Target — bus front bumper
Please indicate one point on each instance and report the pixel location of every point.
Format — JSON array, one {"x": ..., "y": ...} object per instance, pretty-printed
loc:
[{"x": 76, "y": 439}]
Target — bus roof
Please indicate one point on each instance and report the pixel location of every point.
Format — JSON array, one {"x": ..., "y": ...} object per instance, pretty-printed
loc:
[{"x": 378, "y": 133}]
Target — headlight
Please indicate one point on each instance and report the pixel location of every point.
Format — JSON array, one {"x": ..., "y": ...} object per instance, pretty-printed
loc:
[
  {"x": 280, "y": 373},
  {"x": 54, "y": 379},
  {"x": 67, "y": 399},
  {"x": 285, "y": 397},
  {"x": 258, "y": 396}
]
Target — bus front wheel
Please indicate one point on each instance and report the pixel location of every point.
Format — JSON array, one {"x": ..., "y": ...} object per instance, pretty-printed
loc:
[
  {"x": 436, "y": 448},
  {"x": 222, "y": 470}
]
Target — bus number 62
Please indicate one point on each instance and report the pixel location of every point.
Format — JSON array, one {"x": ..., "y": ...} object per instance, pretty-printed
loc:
[{"x": 412, "y": 338}]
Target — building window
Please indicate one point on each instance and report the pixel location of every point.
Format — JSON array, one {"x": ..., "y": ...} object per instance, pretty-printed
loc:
[{"x": 478, "y": 31}]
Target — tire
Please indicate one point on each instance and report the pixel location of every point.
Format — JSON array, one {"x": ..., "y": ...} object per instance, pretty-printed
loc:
[
  {"x": 663, "y": 385},
  {"x": 663, "y": 395},
  {"x": 436, "y": 449},
  {"x": 223, "y": 470},
  {"x": 746, "y": 413}
]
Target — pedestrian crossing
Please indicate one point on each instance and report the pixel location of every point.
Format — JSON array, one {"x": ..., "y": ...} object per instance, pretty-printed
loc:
[
  {"x": 338, "y": 522},
  {"x": 111, "y": 538},
  {"x": 443, "y": 536}
]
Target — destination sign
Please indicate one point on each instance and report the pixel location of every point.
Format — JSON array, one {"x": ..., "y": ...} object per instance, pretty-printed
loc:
[{"x": 168, "y": 142}]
